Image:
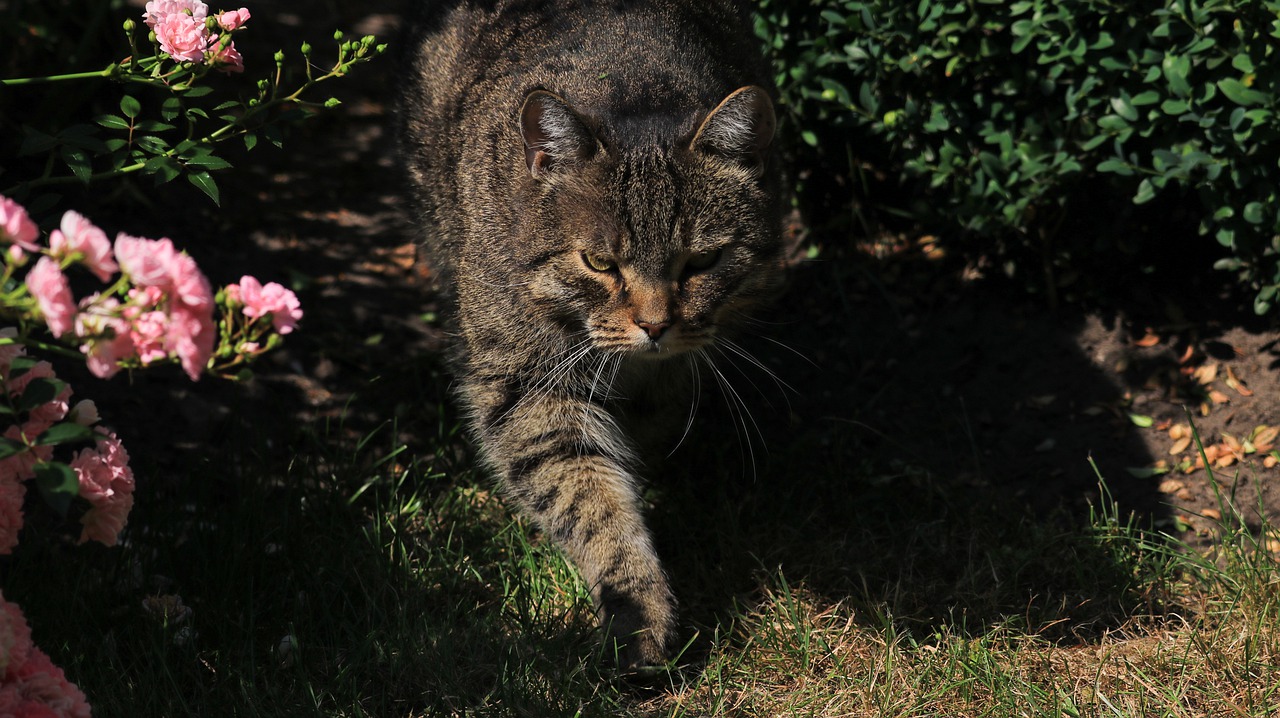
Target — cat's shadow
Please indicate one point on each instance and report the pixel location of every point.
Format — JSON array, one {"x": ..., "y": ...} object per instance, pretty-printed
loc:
[{"x": 929, "y": 462}]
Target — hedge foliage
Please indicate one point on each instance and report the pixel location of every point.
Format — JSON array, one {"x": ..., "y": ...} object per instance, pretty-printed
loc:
[{"x": 1011, "y": 115}]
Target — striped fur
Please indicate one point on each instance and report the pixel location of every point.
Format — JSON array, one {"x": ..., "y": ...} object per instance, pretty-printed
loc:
[{"x": 594, "y": 181}]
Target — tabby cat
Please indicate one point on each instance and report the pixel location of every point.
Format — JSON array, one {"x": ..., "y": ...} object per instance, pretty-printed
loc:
[{"x": 595, "y": 183}]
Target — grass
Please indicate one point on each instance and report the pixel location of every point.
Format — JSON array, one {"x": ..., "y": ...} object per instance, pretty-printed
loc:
[{"x": 378, "y": 580}]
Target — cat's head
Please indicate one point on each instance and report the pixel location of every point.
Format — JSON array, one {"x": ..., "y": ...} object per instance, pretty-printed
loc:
[{"x": 650, "y": 236}]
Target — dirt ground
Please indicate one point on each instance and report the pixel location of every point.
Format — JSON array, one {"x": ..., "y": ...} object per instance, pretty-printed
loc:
[{"x": 899, "y": 358}]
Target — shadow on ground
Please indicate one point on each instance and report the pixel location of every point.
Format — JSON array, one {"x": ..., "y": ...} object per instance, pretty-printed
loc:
[{"x": 930, "y": 463}]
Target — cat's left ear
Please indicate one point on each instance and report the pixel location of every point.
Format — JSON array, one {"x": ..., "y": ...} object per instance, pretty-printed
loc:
[
  {"x": 554, "y": 135},
  {"x": 740, "y": 128}
]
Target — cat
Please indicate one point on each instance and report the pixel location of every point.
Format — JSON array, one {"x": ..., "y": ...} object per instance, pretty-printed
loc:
[{"x": 596, "y": 187}]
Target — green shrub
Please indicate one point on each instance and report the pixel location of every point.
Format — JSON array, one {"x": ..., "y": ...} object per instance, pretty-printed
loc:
[{"x": 1013, "y": 116}]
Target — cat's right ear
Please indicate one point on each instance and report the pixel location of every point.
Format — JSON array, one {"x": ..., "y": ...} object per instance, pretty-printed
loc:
[
  {"x": 554, "y": 135},
  {"x": 740, "y": 129}
]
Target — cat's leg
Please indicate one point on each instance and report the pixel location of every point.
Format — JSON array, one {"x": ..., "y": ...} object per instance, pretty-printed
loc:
[{"x": 565, "y": 463}]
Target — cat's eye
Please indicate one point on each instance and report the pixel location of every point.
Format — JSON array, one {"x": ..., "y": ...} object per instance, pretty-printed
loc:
[
  {"x": 702, "y": 260},
  {"x": 598, "y": 263}
]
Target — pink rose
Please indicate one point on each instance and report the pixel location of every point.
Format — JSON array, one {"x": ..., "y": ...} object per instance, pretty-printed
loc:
[
  {"x": 52, "y": 292},
  {"x": 108, "y": 336},
  {"x": 79, "y": 235},
  {"x": 12, "y": 493},
  {"x": 15, "y": 637},
  {"x": 47, "y": 690},
  {"x": 22, "y": 465},
  {"x": 183, "y": 37},
  {"x": 226, "y": 58},
  {"x": 16, "y": 226},
  {"x": 160, "y": 10},
  {"x": 148, "y": 333},
  {"x": 189, "y": 284},
  {"x": 233, "y": 19},
  {"x": 146, "y": 261},
  {"x": 272, "y": 299},
  {"x": 106, "y": 481},
  {"x": 191, "y": 338}
]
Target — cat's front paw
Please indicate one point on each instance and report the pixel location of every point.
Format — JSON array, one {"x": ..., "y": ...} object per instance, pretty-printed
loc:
[{"x": 637, "y": 654}]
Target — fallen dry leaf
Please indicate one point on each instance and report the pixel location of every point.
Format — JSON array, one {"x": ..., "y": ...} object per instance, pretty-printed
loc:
[
  {"x": 1171, "y": 486},
  {"x": 1218, "y": 397},
  {"x": 1231, "y": 443},
  {"x": 1164, "y": 424},
  {"x": 1184, "y": 495},
  {"x": 1206, "y": 374},
  {"x": 1270, "y": 461},
  {"x": 1234, "y": 382},
  {"x": 1180, "y": 446},
  {"x": 1214, "y": 514},
  {"x": 1224, "y": 461},
  {"x": 1149, "y": 339},
  {"x": 1264, "y": 437},
  {"x": 1177, "y": 431}
]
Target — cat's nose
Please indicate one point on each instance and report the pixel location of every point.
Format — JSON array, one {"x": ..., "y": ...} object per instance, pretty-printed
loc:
[{"x": 653, "y": 329}]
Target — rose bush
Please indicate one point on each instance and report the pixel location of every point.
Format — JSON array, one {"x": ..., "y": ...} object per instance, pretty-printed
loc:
[{"x": 124, "y": 304}]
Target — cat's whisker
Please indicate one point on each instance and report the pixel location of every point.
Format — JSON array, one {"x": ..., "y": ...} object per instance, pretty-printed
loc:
[
  {"x": 783, "y": 386},
  {"x": 791, "y": 349},
  {"x": 737, "y": 409},
  {"x": 693, "y": 403},
  {"x": 571, "y": 357}
]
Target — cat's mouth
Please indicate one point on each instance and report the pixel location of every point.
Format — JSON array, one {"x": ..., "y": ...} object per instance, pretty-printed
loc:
[{"x": 673, "y": 343}]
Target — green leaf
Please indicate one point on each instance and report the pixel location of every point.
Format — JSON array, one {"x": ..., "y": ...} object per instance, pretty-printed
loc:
[
  {"x": 206, "y": 184},
  {"x": 153, "y": 126},
  {"x": 198, "y": 91},
  {"x": 1239, "y": 93},
  {"x": 1124, "y": 108},
  {"x": 250, "y": 141},
  {"x": 1253, "y": 213},
  {"x": 1175, "y": 72},
  {"x": 34, "y": 142},
  {"x": 1150, "y": 97},
  {"x": 9, "y": 447},
  {"x": 208, "y": 162},
  {"x": 112, "y": 122},
  {"x": 1141, "y": 420},
  {"x": 1116, "y": 166},
  {"x": 164, "y": 167},
  {"x": 39, "y": 392},
  {"x": 20, "y": 366},
  {"x": 1146, "y": 192},
  {"x": 79, "y": 163},
  {"x": 64, "y": 433},
  {"x": 58, "y": 485},
  {"x": 170, "y": 108},
  {"x": 130, "y": 106},
  {"x": 154, "y": 145}
]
